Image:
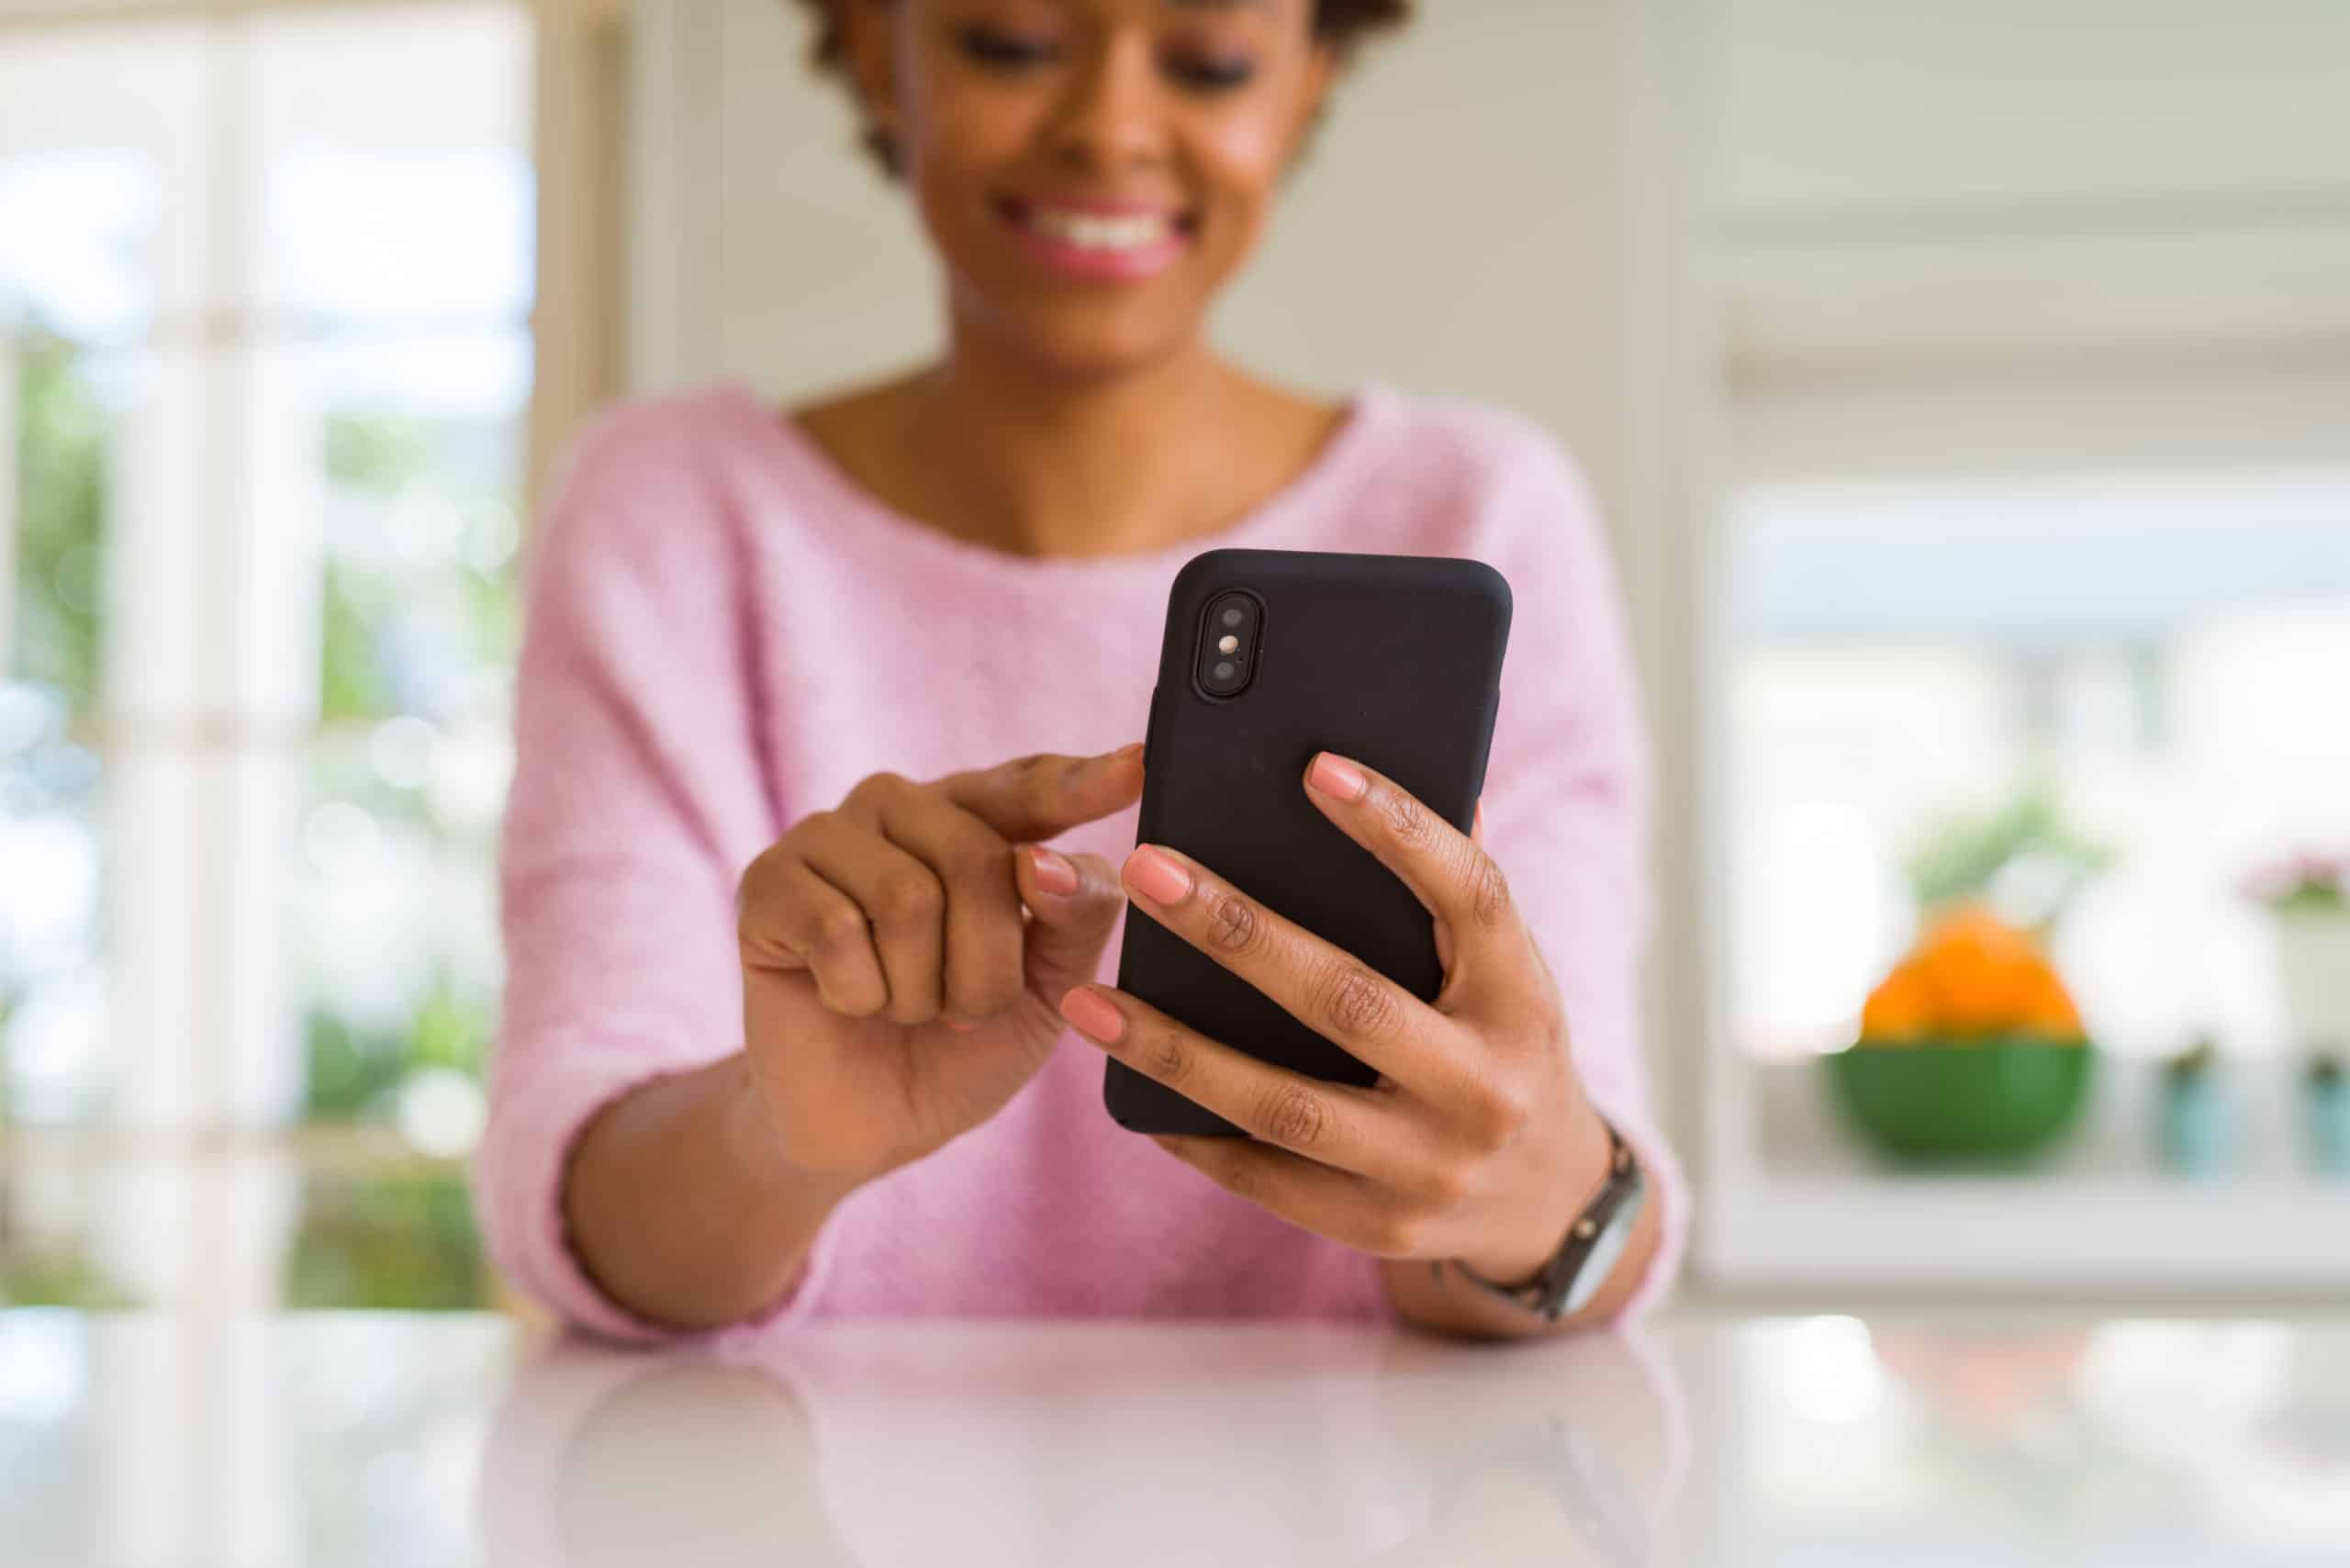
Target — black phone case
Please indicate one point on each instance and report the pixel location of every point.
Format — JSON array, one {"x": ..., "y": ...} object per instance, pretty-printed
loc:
[{"x": 1394, "y": 660}]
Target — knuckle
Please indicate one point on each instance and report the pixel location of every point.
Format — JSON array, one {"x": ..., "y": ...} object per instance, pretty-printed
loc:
[
  {"x": 751, "y": 889},
  {"x": 840, "y": 928},
  {"x": 1498, "y": 1111},
  {"x": 877, "y": 787},
  {"x": 1233, "y": 925},
  {"x": 1444, "y": 1187},
  {"x": 1409, "y": 824},
  {"x": 1397, "y": 1233},
  {"x": 1295, "y": 1116},
  {"x": 1357, "y": 1002},
  {"x": 1488, "y": 889},
  {"x": 1167, "y": 1056},
  {"x": 912, "y": 898}
]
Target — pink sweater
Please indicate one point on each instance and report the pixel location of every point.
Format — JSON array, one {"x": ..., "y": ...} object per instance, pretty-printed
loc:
[{"x": 725, "y": 634}]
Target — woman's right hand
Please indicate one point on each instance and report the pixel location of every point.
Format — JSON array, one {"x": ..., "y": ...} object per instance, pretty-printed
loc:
[{"x": 895, "y": 992}]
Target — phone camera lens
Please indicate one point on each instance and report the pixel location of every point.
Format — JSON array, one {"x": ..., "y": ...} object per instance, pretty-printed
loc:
[
  {"x": 1234, "y": 615},
  {"x": 1225, "y": 669}
]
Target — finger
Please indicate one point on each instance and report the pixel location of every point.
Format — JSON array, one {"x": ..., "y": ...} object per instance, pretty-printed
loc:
[
  {"x": 792, "y": 918},
  {"x": 1077, "y": 899},
  {"x": 1447, "y": 870},
  {"x": 1043, "y": 796},
  {"x": 904, "y": 902},
  {"x": 1328, "y": 990},
  {"x": 1314, "y": 1197},
  {"x": 1335, "y": 1124},
  {"x": 983, "y": 934}
]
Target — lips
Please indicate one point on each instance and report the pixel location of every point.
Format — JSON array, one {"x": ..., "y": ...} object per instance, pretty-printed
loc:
[{"x": 1099, "y": 240}]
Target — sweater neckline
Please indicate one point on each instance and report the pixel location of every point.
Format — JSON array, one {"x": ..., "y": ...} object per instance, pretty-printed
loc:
[{"x": 1271, "y": 524}]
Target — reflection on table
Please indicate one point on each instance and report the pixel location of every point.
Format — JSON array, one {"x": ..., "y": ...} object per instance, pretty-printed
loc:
[
  {"x": 220, "y": 1440},
  {"x": 1085, "y": 1444}
]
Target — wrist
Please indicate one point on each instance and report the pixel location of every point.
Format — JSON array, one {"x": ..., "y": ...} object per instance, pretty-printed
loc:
[
  {"x": 1564, "y": 1193},
  {"x": 755, "y": 1147}
]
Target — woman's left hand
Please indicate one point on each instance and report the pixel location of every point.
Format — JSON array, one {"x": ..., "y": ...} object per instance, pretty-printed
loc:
[{"x": 1476, "y": 1143}]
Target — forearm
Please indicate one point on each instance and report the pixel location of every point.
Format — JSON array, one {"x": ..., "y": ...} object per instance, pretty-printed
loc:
[{"x": 682, "y": 1206}]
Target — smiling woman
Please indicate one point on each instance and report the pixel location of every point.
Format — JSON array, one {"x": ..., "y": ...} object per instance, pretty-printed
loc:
[{"x": 826, "y": 765}]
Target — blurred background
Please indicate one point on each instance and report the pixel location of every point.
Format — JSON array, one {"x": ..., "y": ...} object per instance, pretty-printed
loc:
[{"x": 1968, "y": 388}]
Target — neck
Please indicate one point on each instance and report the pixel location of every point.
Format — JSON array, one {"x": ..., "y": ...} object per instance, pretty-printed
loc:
[{"x": 1041, "y": 462}]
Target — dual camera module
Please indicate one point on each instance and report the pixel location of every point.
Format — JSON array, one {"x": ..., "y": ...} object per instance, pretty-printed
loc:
[{"x": 1229, "y": 637}]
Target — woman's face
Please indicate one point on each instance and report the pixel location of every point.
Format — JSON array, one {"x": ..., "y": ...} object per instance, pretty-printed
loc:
[{"x": 1091, "y": 171}]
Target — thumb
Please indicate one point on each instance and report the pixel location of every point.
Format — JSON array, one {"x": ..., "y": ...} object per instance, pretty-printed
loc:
[{"x": 1071, "y": 923}]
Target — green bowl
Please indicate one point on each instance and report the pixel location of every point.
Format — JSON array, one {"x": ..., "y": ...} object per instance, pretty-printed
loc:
[{"x": 1945, "y": 1100}]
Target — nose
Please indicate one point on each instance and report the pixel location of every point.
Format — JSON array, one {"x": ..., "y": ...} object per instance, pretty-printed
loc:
[{"x": 1114, "y": 113}]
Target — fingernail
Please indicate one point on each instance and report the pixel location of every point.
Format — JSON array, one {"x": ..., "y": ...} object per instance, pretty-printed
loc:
[
  {"x": 1335, "y": 776},
  {"x": 1092, "y": 1015},
  {"x": 1156, "y": 875},
  {"x": 1053, "y": 872}
]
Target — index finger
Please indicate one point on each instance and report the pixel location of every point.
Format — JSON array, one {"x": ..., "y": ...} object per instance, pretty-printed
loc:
[
  {"x": 1040, "y": 797},
  {"x": 1448, "y": 870}
]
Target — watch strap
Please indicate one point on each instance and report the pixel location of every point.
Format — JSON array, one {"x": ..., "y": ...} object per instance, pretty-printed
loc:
[{"x": 1552, "y": 1294}]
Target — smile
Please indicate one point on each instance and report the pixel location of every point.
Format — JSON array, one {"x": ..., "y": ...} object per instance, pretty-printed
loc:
[
  {"x": 1077, "y": 242},
  {"x": 1089, "y": 232}
]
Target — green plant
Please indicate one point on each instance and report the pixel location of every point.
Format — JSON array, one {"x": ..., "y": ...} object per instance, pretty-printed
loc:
[
  {"x": 1963, "y": 856},
  {"x": 60, "y": 512},
  {"x": 403, "y": 1240},
  {"x": 2306, "y": 884},
  {"x": 355, "y": 1070},
  {"x": 60, "y": 1277},
  {"x": 2197, "y": 1061}
]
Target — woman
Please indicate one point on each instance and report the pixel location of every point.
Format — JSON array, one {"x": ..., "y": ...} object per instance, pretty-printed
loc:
[{"x": 805, "y": 1015}]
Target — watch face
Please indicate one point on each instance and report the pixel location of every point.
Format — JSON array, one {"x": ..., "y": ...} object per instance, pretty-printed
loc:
[{"x": 1600, "y": 1262}]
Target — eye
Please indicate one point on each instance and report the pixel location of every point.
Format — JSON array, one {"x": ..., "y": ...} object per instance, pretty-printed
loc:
[
  {"x": 1213, "y": 76},
  {"x": 1005, "y": 51}
]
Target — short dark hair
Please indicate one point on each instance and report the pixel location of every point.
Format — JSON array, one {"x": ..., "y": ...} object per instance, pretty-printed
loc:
[{"x": 1339, "y": 25}]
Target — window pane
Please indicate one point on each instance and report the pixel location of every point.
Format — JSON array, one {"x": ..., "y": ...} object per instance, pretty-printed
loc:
[
  {"x": 422, "y": 450},
  {"x": 2099, "y": 701},
  {"x": 61, "y": 424},
  {"x": 383, "y": 203},
  {"x": 389, "y": 1239},
  {"x": 395, "y": 925},
  {"x": 52, "y": 980}
]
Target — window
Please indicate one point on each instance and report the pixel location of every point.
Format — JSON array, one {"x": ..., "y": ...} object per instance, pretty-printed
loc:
[
  {"x": 2099, "y": 698},
  {"x": 265, "y": 287},
  {"x": 2032, "y": 585}
]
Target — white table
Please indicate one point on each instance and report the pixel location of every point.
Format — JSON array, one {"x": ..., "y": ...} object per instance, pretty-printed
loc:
[{"x": 441, "y": 1442}]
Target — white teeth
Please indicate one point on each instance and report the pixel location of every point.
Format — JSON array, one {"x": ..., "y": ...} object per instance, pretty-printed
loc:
[{"x": 1090, "y": 232}]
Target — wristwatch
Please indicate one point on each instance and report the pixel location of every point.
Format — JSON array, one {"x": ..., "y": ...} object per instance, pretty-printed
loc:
[{"x": 1598, "y": 1237}]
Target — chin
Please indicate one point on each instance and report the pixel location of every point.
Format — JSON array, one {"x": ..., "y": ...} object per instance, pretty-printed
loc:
[{"x": 1083, "y": 344}]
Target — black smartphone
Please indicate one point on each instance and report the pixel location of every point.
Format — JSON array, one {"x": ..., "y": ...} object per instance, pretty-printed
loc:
[{"x": 1270, "y": 655}]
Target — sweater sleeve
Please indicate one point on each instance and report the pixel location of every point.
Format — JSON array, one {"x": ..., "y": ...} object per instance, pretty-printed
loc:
[
  {"x": 637, "y": 799},
  {"x": 1567, "y": 794}
]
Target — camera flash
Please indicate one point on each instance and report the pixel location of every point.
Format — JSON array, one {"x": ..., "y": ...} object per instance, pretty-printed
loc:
[{"x": 1227, "y": 643}]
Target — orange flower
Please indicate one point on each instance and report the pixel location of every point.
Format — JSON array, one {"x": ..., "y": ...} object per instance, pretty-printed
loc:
[
  {"x": 1970, "y": 975},
  {"x": 1900, "y": 1009}
]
